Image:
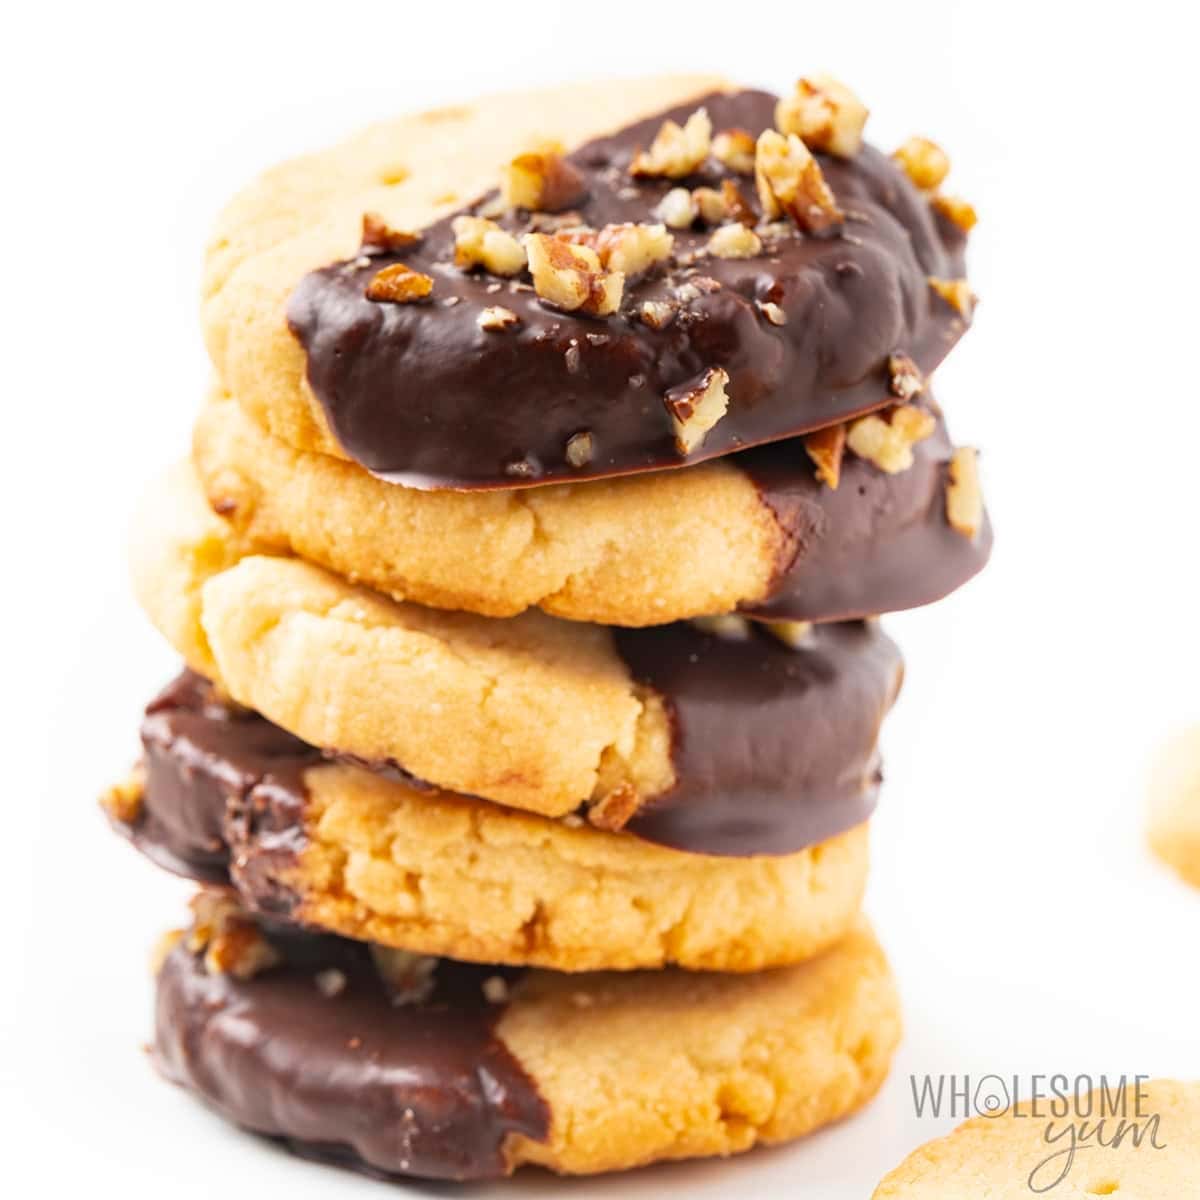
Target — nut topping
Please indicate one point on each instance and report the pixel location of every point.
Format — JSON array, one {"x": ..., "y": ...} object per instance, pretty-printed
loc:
[
  {"x": 230, "y": 940},
  {"x": 632, "y": 249},
  {"x": 497, "y": 319},
  {"x": 613, "y": 811},
  {"x": 407, "y": 978},
  {"x": 730, "y": 627},
  {"x": 542, "y": 182},
  {"x": 825, "y": 114},
  {"x": 677, "y": 150},
  {"x": 696, "y": 408},
  {"x": 378, "y": 235},
  {"x": 904, "y": 377},
  {"x": 677, "y": 209},
  {"x": 123, "y": 801},
  {"x": 398, "y": 284},
  {"x": 826, "y": 447},
  {"x": 956, "y": 210},
  {"x": 789, "y": 181},
  {"x": 887, "y": 441},
  {"x": 579, "y": 449},
  {"x": 956, "y": 293},
  {"x": 734, "y": 241},
  {"x": 734, "y": 148},
  {"x": 480, "y": 242},
  {"x": 793, "y": 634},
  {"x": 924, "y": 162},
  {"x": 571, "y": 276},
  {"x": 964, "y": 495}
]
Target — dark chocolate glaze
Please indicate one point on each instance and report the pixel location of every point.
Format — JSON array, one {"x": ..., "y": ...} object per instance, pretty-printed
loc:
[
  {"x": 424, "y": 1089},
  {"x": 224, "y": 795},
  {"x": 878, "y": 544},
  {"x": 774, "y": 747},
  {"x": 420, "y": 395}
]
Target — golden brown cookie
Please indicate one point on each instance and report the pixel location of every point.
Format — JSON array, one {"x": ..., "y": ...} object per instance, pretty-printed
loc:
[
  {"x": 1144, "y": 1146},
  {"x": 762, "y": 530},
  {"x": 471, "y": 1072},
  {"x": 1174, "y": 809},
  {"x": 223, "y": 795},
  {"x": 749, "y": 741}
]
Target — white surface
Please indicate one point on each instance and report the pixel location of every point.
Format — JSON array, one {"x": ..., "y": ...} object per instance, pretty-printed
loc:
[{"x": 1029, "y": 928}]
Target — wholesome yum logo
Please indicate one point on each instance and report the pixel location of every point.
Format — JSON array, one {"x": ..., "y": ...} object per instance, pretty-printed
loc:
[{"x": 1077, "y": 1113}]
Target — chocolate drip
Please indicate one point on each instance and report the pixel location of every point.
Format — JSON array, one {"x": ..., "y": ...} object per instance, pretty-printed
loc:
[
  {"x": 878, "y": 544},
  {"x": 224, "y": 792},
  {"x": 423, "y": 1089},
  {"x": 421, "y": 395},
  {"x": 774, "y": 747}
]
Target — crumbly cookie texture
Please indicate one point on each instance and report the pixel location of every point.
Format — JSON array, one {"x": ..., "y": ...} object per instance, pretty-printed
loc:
[
  {"x": 453, "y": 876},
  {"x": 998, "y": 1157},
  {"x": 308, "y": 212},
  {"x": 1174, "y": 809},
  {"x": 578, "y": 552},
  {"x": 532, "y": 712},
  {"x": 644, "y": 1067}
]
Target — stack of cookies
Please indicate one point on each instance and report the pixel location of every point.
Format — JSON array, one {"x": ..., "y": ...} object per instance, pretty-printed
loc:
[{"x": 562, "y": 450}]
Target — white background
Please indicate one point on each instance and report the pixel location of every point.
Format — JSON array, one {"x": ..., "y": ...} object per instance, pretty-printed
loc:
[{"x": 1029, "y": 928}]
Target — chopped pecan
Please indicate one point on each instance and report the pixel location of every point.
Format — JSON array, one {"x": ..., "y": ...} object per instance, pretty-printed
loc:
[
  {"x": 378, "y": 235},
  {"x": 956, "y": 210},
  {"x": 696, "y": 408},
  {"x": 825, "y": 114},
  {"x": 229, "y": 938},
  {"x": 571, "y": 276},
  {"x": 162, "y": 949},
  {"x": 123, "y": 801},
  {"x": 632, "y": 249},
  {"x": 789, "y": 181},
  {"x": 480, "y": 242},
  {"x": 956, "y": 293},
  {"x": 904, "y": 377},
  {"x": 737, "y": 207},
  {"x": 677, "y": 209},
  {"x": 772, "y": 312},
  {"x": 924, "y": 162},
  {"x": 826, "y": 447},
  {"x": 734, "y": 241},
  {"x": 614, "y": 810},
  {"x": 887, "y": 440},
  {"x": 398, "y": 284},
  {"x": 579, "y": 449},
  {"x": 677, "y": 150},
  {"x": 964, "y": 495},
  {"x": 496, "y": 319},
  {"x": 794, "y": 634},
  {"x": 407, "y": 978},
  {"x": 728, "y": 626},
  {"x": 734, "y": 148},
  {"x": 542, "y": 182}
]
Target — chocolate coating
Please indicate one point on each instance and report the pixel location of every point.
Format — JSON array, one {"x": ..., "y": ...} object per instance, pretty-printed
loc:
[
  {"x": 774, "y": 747},
  {"x": 424, "y": 1089},
  {"x": 421, "y": 395},
  {"x": 878, "y": 544}
]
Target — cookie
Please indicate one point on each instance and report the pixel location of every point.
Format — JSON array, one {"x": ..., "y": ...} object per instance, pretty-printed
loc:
[
  {"x": 224, "y": 796},
  {"x": 479, "y": 348},
  {"x": 1145, "y": 1145},
  {"x": 1174, "y": 810},
  {"x": 758, "y": 531},
  {"x": 742, "y": 743},
  {"x": 434, "y": 1069}
]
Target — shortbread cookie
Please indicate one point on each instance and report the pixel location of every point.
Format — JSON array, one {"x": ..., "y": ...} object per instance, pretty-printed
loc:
[
  {"x": 401, "y": 1066},
  {"x": 747, "y": 741},
  {"x": 764, "y": 530},
  {"x": 1174, "y": 817},
  {"x": 608, "y": 312},
  {"x": 1140, "y": 1143},
  {"x": 224, "y": 796}
]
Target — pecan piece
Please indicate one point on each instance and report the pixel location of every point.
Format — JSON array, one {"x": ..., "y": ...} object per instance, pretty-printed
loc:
[
  {"x": 825, "y": 114},
  {"x": 789, "y": 181},
  {"x": 964, "y": 494},
  {"x": 695, "y": 408},
  {"x": 480, "y": 242},
  {"x": 398, "y": 284},
  {"x": 542, "y": 182},
  {"x": 677, "y": 150},
  {"x": 571, "y": 276},
  {"x": 826, "y": 447}
]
